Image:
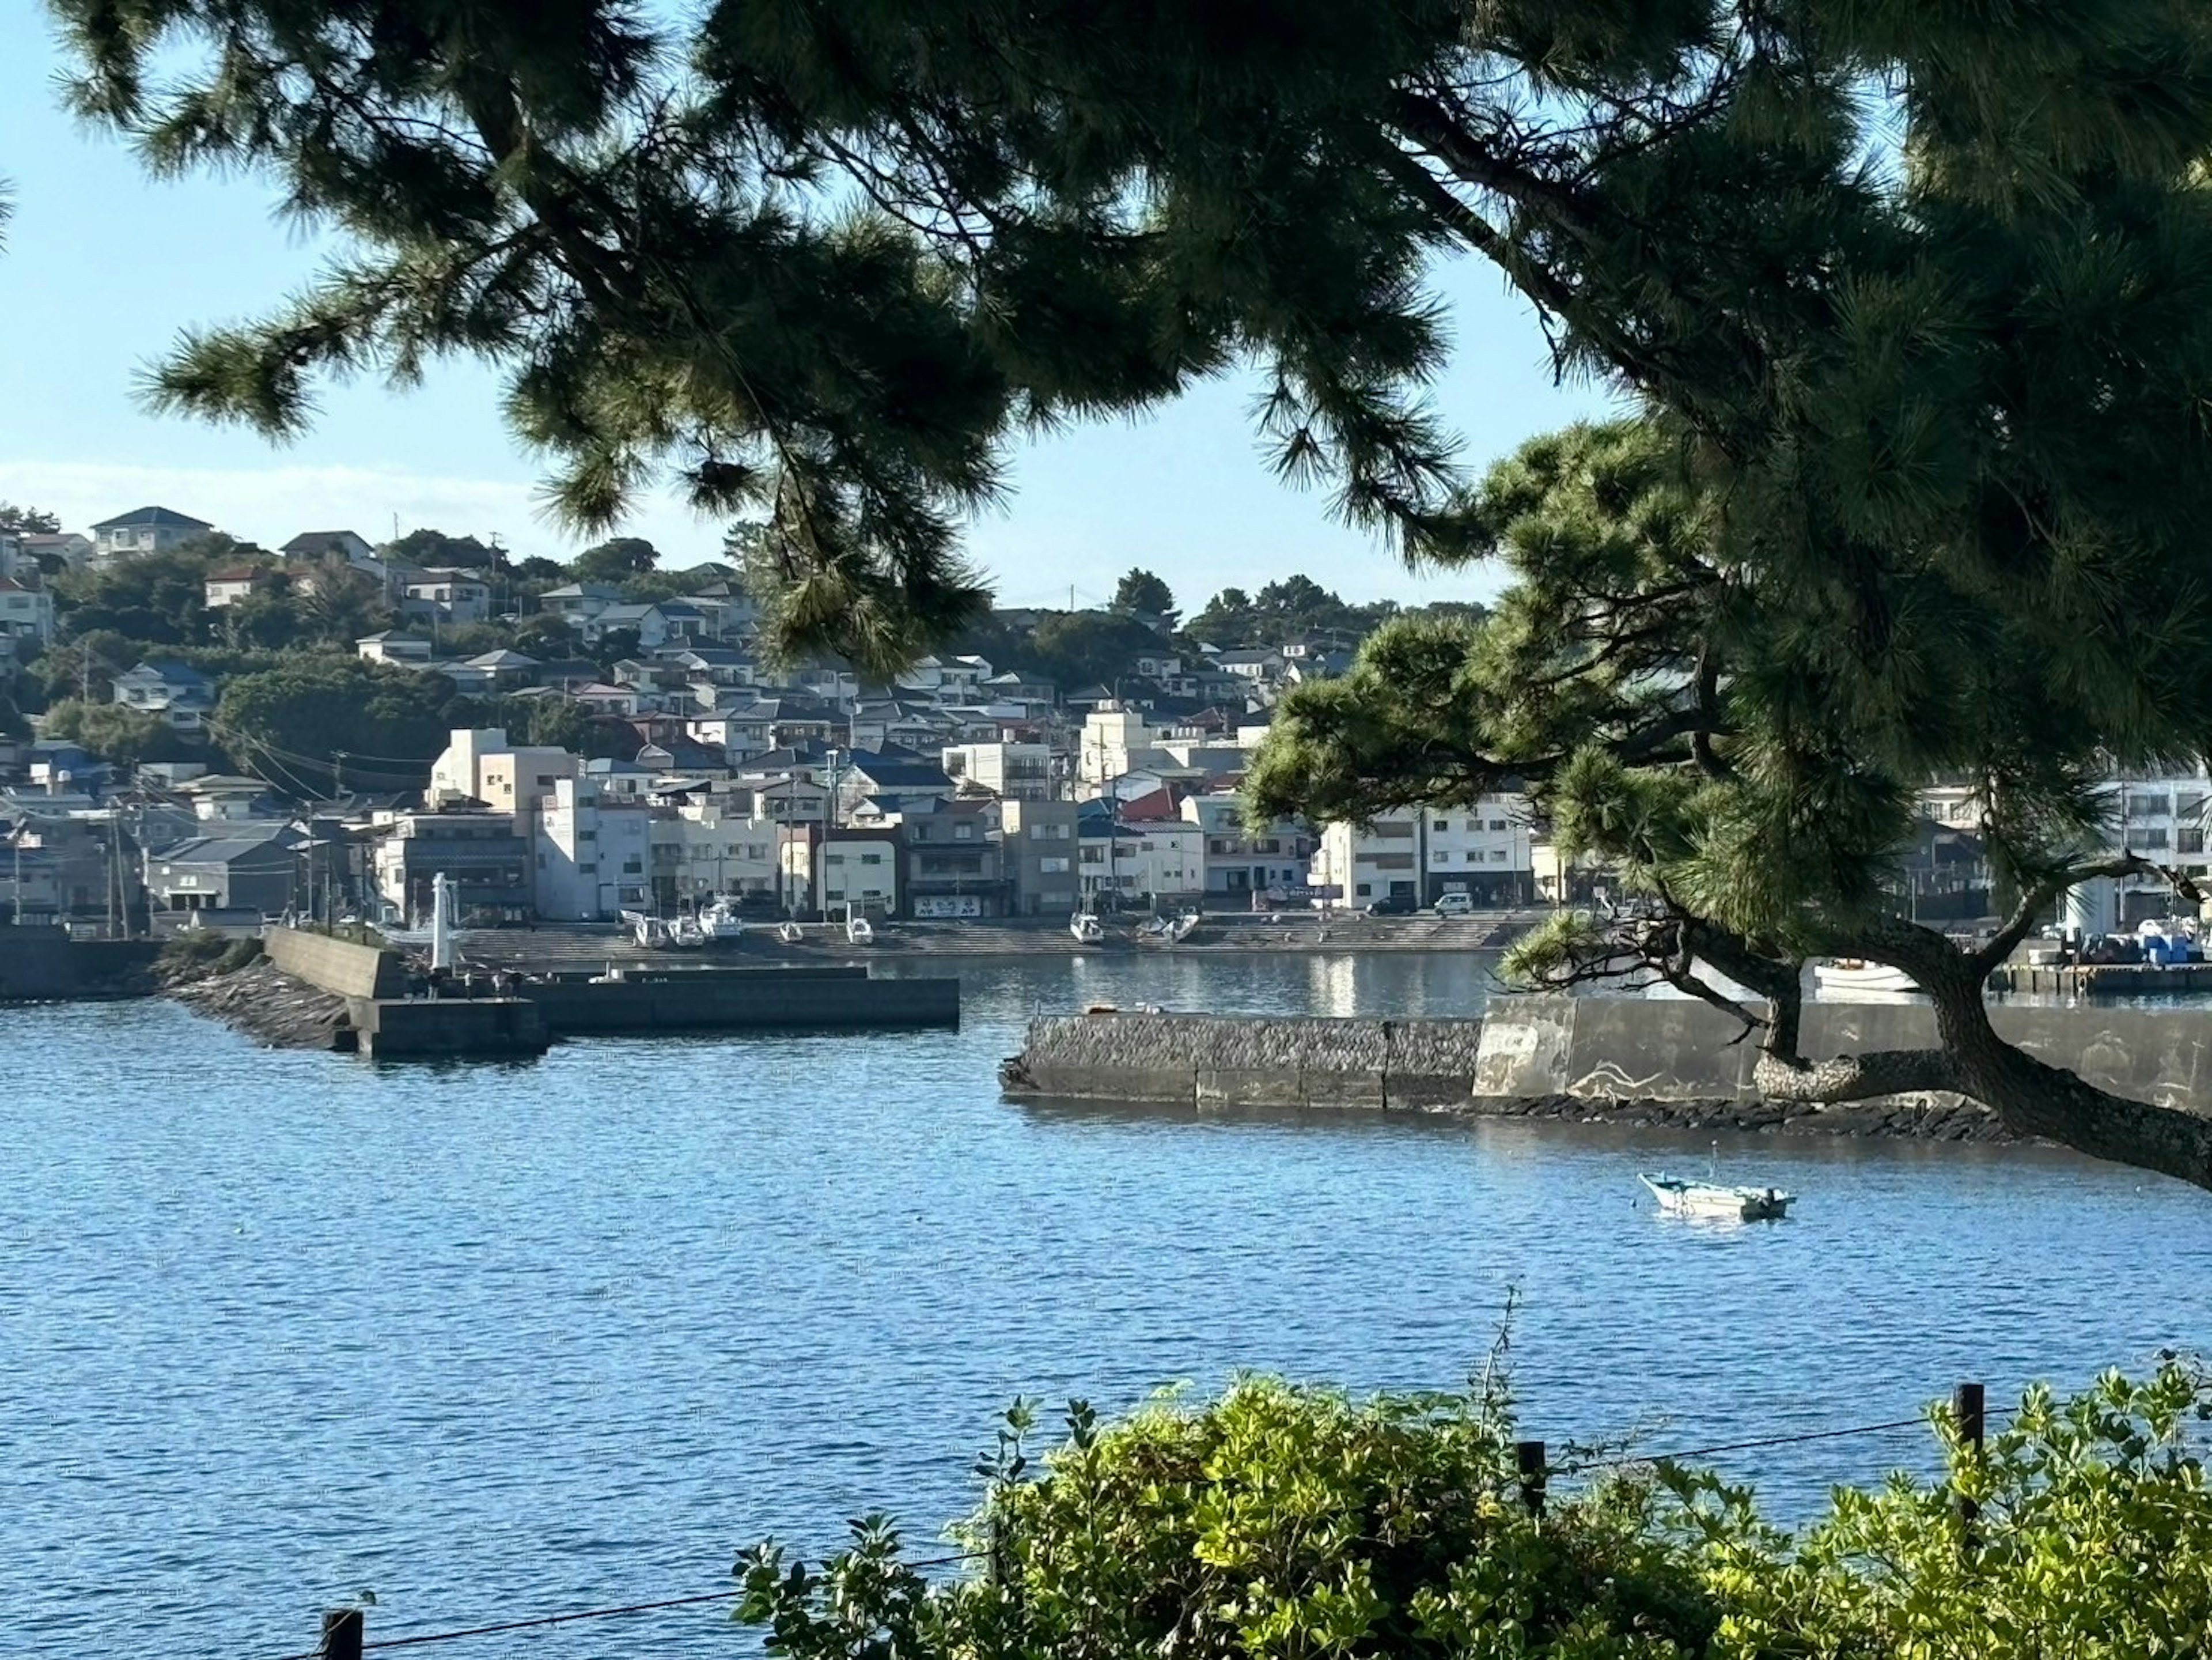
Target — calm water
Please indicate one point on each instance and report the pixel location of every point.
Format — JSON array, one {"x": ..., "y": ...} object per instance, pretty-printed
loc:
[{"x": 278, "y": 1328}]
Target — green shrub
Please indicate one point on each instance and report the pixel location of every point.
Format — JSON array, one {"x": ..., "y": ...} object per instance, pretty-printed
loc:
[{"x": 1285, "y": 1523}]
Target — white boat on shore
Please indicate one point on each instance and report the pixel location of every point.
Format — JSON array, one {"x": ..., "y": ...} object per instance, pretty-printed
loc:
[
  {"x": 721, "y": 924},
  {"x": 859, "y": 931},
  {"x": 1087, "y": 929},
  {"x": 1684, "y": 1198},
  {"x": 1847, "y": 978}
]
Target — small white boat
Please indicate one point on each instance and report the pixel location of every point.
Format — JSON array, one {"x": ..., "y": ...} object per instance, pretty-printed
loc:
[
  {"x": 650, "y": 931},
  {"x": 1710, "y": 1199},
  {"x": 859, "y": 931},
  {"x": 1087, "y": 929},
  {"x": 1847, "y": 976},
  {"x": 685, "y": 933},
  {"x": 721, "y": 923},
  {"x": 1180, "y": 929},
  {"x": 790, "y": 933}
]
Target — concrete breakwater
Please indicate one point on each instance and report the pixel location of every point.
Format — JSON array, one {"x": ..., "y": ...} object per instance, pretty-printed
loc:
[
  {"x": 535, "y": 1009},
  {"x": 1619, "y": 1060}
]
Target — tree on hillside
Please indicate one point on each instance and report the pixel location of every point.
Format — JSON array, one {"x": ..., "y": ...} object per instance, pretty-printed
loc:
[
  {"x": 433, "y": 549},
  {"x": 338, "y": 603},
  {"x": 288, "y": 724},
  {"x": 116, "y": 733},
  {"x": 1140, "y": 591},
  {"x": 613, "y": 560},
  {"x": 1647, "y": 692},
  {"x": 545, "y": 634},
  {"x": 27, "y": 521},
  {"x": 160, "y": 598},
  {"x": 1083, "y": 648}
]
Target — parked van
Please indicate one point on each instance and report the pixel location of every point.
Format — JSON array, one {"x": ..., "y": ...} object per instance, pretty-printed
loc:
[{"x": 1455, "y": 905}]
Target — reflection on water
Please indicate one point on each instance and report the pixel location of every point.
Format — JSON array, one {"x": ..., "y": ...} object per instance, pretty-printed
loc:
[{"x": 282, "y": 1327}]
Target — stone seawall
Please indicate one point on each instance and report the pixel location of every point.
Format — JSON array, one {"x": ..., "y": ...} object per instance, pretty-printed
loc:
[
  {"x": 1419, "y": 1065},
  {"x": 1620, "y": 1060}
]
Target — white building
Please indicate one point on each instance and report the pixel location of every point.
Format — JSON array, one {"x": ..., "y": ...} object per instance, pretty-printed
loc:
[
  {"x": 1412, "y": 856},
  {"x": 1013, "y": 772},
  {"x": 479, "y": 764},
  {"x": 591, "y": 855},
  {"x": 707, "y": 848},
  {"x": 145, "y": 530},
  {"x": 450, "y": 597},
  {"x": 1112, "y": 735},
  {"x": 1160, "y": 859},
  {"x": 1240, "y": 862}
]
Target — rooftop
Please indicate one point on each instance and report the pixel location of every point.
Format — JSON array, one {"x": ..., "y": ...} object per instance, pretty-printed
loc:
[{"x": 153, "y": 519}]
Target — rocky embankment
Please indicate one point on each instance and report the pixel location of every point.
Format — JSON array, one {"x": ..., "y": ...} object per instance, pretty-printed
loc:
[
  {"x": 268, "y": 1006},
  {"x": 1920, "y": 1118}
]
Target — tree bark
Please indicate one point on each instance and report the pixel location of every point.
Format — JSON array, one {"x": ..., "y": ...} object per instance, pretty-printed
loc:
[{"x": 2029, "y": 1098}]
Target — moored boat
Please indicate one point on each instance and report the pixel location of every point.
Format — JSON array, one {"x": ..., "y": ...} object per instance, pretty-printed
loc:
[
  {"x": 1710, "y": 1199},
  {"x": 859, "y": 931},
  {"x": 1848, "y": 978},
  {"x": 1087, "y": 929}
]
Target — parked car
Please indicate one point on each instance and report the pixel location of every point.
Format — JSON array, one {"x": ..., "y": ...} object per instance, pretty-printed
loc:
[
  {"x": 1396, "y": 904},
  {"x": 1455, "y": 905}
]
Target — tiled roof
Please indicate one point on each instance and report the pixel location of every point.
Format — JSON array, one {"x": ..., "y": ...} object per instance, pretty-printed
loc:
[{"x": 152, "y": 518}]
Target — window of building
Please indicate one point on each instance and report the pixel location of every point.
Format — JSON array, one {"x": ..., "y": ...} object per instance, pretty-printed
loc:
[
  {"x": 2189, "y": 841},
  {"x": 1498, "y": 823},
  {"x": 586, "y": 867},
  {"x": 963, "y": 832},
  {"x": 1499, "y": 857},
  {"x": 632, "y": 868},
  {"x": 2149, "y": 838},
  {"x": 1053, "y": 867},
  {"x": 587, "y": 835},
  {"x": 871, "y": 859},
  {"x": 2149, "y": 806},
  {"x": 1364, "y": 890},
  {"x": 1442, "y": 824}
]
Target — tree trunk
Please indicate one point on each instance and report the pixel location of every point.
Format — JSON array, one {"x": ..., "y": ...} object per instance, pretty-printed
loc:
[{"x": 2029, "y": 1098}]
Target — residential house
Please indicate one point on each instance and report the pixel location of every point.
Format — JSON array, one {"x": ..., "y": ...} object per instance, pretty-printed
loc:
[
  {"x": 251, "y": 869},
  {"x": 833, "y": 684},
  {"x": 26, "y": 611},
  {"x": 1013, "y": 772},
  {"x": 741, "y": 733},
  {"x": 179, "y": 693},
  {"x": 1259, "y": 665},
  {"x": 1160, "y": 860},
  {"x": 233, "y": 583},
  {"x": 144, "y": 530},
  {"x": 488, "y": 859},
  {"x": 591, "y": 853},
  {"x": 1114, "y": 737},
  {"x": 579, "y": 603},
  {"x": 43, "y": 551},
  {"x": 717, "y": 665},
  {"x": 227, "y": 798},
  {"x": 59, "y": 767},
  {"x": 1244, "y": 866},
  {"x": 648, "y": 622},
  {"x": 954, "y": 867},
  {"x": 617, "y": 779},
  {"x": 394, "y": 646},
  {"x": 314, "y": 546},
  {"x": 508, "y": 670},
  {"x": 445, "y": 596},
  {"x": 790, "y": 797},
  {"x": 1038, "y": 850},
  {"x": 601, "y": 698},
  {"x": 896, "y": 781}
]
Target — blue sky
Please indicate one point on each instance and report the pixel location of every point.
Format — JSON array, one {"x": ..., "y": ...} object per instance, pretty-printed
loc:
[{"x": 104, "y": 267}]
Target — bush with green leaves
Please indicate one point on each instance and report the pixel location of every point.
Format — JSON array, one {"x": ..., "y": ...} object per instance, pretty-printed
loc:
[{"x": 1287, "y": 1522}]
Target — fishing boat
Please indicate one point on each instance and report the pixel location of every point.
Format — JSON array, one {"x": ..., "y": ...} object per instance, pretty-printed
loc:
[
  {"x": 685, "y": 933},
  {"x": 1685, "y": 1198},
  {"x": 859, "y": 931},
  {"x": 790, "y": 933},
  {"x": 650, "y": 931},
  {"x": 1848, "y": 978},
  {"x": 1087, "y": 929}
]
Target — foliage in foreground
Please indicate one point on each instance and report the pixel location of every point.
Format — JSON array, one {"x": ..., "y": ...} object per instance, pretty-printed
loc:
[{"x": 1288, "y": 1522}]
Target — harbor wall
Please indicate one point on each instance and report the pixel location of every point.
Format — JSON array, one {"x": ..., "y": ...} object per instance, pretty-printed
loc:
[
  {"x": 1589, "y": 1057},
  {"x": 44, "y": 964},
  {"x": 424, "y": 1029},
  {"x": 741, "y": 999},
  {"x": 337, "y": 965}
]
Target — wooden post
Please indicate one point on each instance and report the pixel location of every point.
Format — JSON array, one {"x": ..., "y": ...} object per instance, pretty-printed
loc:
[
  {"x": 1968, "y": 1407},
  {"x": 1529, "y": 1454},
  {"x": 342, "y": 1630}
]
